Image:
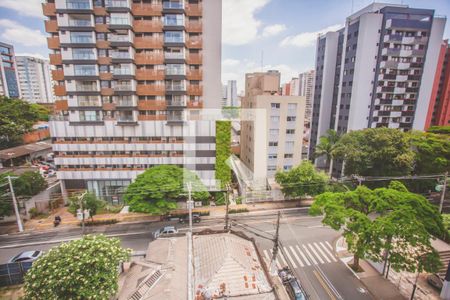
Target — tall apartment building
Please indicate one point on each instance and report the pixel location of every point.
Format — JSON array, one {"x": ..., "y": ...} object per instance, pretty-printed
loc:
[
  {"x": 306, "y": 89},
  {"x": 8, "y": 72},
  {"x": 281, "y": 146},
  {"x": 439, "y": 108},
  {"x": 377, "y": 71},
  {"x": 230, "y": 97},
  {"x": 130, "y": 74},
  {"x": 34, "y": 79}
]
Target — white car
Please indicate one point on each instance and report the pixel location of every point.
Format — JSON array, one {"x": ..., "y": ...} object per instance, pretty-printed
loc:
[
  {"x": 26, "y": 256},
  {"x": 165, "y": 230}
]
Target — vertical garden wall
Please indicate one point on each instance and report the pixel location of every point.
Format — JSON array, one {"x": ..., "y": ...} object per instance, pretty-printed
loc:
[{"x": 223, "y": 143}]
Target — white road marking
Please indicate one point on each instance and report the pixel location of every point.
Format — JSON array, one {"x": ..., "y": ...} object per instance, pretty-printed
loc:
[
  {"x": 303, "y": 255},
  {"x": 296, "y": 256},
  {"x": 309, "y": 255},
  {"x": 282, "y": 258},
  {"x": 314, "y": 251},
  {"x": 289, "y": 257},
  {"x": 328, "y": 251},
  {"x": 266, "y": 254},
  {"x": 276, "y": 260},
  {"x": 329, "y": 245},
  {"x": 321, "y": 252}
]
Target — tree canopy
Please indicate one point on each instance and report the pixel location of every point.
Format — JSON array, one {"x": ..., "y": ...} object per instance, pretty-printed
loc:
[
  {"x": 385, "y": 220},
  {"x": 326, "y": 146},
  {"x": 376, "y": 152},
  {"x": 16, "y": 118},
  {"x": 432, "y": 152},
  {"x": 80, "y": 269},
  {"x": 90, "y": 202},
  {"x": 158, "y": 188},
  {"x": 302, "y": 180}
]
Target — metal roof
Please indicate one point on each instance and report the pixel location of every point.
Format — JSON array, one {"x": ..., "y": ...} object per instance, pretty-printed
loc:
[{"x": 24, "y": 150}]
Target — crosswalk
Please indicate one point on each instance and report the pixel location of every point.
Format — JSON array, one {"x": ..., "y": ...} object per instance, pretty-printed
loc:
[{"x": 304, "y": 255}]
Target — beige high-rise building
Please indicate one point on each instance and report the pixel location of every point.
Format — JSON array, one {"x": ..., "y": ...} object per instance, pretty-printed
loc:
[{"x": 281, "y": 148}]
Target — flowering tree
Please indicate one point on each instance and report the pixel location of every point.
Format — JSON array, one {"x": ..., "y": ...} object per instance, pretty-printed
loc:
[{"x": 80, "y": 269}]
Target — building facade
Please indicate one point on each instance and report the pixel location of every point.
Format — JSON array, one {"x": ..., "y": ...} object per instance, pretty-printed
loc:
[
  {"x": 377, "y": 71},
  {"x": 439, "y": 109},
  {"x": 9, "y": 79},
  {"x": 281, "y": 148},
  {"x": 230, "y": 97},
  {"x": 34, "y": 79},
  {"x": 130, "y": 78}
]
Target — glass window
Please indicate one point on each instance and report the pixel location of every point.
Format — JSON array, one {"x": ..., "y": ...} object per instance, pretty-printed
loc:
[
  {"x": 274, "y": 131},
  {"x": 83, "y": 53},
  {"x": 174, "y": 37},
  {"x": 274, "y": 119},
  {"x": 292, "y": 106},
  {"x": 174, "y": 20},
  {"x": 85, "y": 70},
  {"x": 120, "y": 19},
  {"x": 81, "y": 37},
  {"x": 78, "y": 4},
  {"x": 275, "y": 105}
]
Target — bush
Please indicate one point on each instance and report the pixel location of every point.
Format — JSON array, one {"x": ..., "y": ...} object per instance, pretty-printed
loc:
[
  {"x": 219, "y": 198},
  {"x": 238, "y": 210},
  {"x": 239, "y": 200},
  {"x": 35, "y": 214},
  {"x": 100, "y": 222}
]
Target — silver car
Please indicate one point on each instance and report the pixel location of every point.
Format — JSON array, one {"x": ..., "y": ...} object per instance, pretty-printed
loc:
[
  {"x": 26, "y": 256},
  {"x": 165, "y": 230}
]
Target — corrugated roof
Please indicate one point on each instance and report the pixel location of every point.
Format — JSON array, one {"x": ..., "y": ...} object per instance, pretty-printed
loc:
[{"x": 24, "y": 150}]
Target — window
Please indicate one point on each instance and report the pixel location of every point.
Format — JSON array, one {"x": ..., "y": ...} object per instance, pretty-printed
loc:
[
  {"x": 291, "y": 119},
  {"x": 287, "y": 167},
  {"x": 173, "y": 37},
  {"x": 289, "y": 144},
  {"x": 85, "y": 70},
  {"x": 81, "y": 37},
  {"x": 83, "y": 53},
  {"x": 290, "y": 131},
  {"x": 292, "y": 106},
  {"x": 275, "y": 105},
  {"x": 271, "y": 168},
  {"x": 78, "y": 4},
  {"x": 174, "y": 20},
  {"x": 274, "y": 131},
  {"x": 120, "y": 19},
  {"x": 288, "y": 155},
  {"x": 273, "y": 156},
  {"x": 274, "y": 119},
  {"x": 273, "y": 144}
]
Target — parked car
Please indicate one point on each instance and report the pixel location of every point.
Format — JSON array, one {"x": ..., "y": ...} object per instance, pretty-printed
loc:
[
  {"x": 435, "y": 281},
  {"x": 165, "y": 230},
  {"x": 26, "y": 256},
  {"x": 292, "y": 285},
  {"x": 185, "y": 219}
]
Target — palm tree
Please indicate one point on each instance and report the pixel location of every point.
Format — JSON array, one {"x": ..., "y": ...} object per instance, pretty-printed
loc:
[{"x": 326, "y": 146}]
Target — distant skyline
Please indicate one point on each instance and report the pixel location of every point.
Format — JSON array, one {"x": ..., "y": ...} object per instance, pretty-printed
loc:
[{"x": 257, "y": 34}]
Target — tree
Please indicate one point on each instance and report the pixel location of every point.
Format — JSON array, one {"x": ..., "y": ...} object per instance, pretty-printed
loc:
[
  {"x": 29, "y": 183},
  {"x": 439, "y": 129},
  {"x": 326, "y": 146},
  {"x": 90, "y": 202},
  {"x": 432, "y": 152},
  {"x": 376, "y": 152},
  {"x": 80, "y": 269},
  {"x": 386, "y": 221},
  {"x": 158, "y": 188},
  {"x": 302, "y": 180},
  {"x": 16, "y": 118}
]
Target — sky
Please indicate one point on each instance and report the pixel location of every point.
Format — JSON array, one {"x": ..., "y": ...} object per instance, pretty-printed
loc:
[{"x": 256, "y": 35}]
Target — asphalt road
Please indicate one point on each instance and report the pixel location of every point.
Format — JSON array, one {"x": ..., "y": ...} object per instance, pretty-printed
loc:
[{"x": 306, "y": 247}]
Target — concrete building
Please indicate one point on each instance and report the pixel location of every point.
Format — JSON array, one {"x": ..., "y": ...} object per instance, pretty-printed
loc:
[
  {"x": 377, "y": 71},
  {"x": 9, "y": 79},
  {"x": 439, "y": 108},
  {"x": 34, "y": 79},
  {"x": 130, "y": 77},
  {"x": 229, "y": 96},
  {"x": 278, "y": 144}
]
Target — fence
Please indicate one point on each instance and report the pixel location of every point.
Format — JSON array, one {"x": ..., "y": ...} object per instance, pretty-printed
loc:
[{"x": 12, "y": 274}]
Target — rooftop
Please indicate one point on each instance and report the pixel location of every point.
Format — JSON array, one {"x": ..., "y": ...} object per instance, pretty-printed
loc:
[{"x": 24, "y": 150}]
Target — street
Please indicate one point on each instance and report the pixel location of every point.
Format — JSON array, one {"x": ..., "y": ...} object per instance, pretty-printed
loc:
[{"x": 305, "y": 246}]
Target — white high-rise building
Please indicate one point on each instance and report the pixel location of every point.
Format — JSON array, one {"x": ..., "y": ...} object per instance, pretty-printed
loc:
[
  {"x": 229, "y": 94},
  {"x": 34, "y": 79}
]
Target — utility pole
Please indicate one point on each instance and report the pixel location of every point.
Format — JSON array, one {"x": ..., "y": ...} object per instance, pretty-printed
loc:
[
  {"x": 275, "y": 246},
  {"x": 80, "y": 201},
  {"x": 444, "y": 187},
  {"x": 190, "y": 272},
  {"x": 190, "y": 204},
  {"x": 227, "y": 218},
  {"x": 16, "y": 207}
]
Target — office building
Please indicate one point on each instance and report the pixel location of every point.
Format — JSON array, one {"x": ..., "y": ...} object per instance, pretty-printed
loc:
[
  {"x": 229, "y": 94},
  {"x": 281, "y": 147},
  {"x": 129, "y": 77},
  {"x": 34, "y": 79},
  {"x": 8, "y": 72},
  {"x": 377, "y": 71},
  {"x": 439, "y": 108},
  {"x": 306, "y": 89}
]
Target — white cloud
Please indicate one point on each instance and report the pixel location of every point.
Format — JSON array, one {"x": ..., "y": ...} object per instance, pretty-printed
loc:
[
  {"x": 240, "y": 25},
  {"x": 37, "y": 55},
  {"x": 307, "y": 39},
  {"x": 30, "y": 8},
  {"x": 17, "y": 34},
  {"x": 230, "y": 62},
  {"x": 274, "y": 29}
]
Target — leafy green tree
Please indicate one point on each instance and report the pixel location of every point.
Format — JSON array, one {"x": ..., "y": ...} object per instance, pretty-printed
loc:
[
  {"x": 432, "y": 152},
  {"x": 16, "y": 118},
  {"x": 326, "y": 146},
  {"x": 223, "y": 152},
  {"x": 80, "y": 269},
  {"x": 158, "y": 188},
  {"x": 376, "y": 152},
  {"x": 90, "y": 202},
  {"x": 439, "y": 129},
  {"x": 42, "y": 111},
  {"x": 29, "y": 183},
  {"x": 302, "y": 180}
]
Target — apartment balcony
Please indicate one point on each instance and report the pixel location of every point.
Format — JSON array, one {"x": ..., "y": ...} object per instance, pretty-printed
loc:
[
  {"x": 148, "y": 43},
  {"x": 176, "y": 118},
  {"x": 194, "y": 26},
  {"x": 49, "y": 9},
  {"x": 121, "y": 55},
  {"x": 178, "y": 103},
  {"x": 89, "y": 103},
  {"x": 194, "y": 59},
  {"x": 174, "y": 55},
  {"x": 149, "y": 59},
  {"x": 195, "y": 104},
  {"x": 151, "y": 105},
  {"x": 103, "y": 60},
  {"x": 106, "y": 91},
  {"x": 143, "y": 9},
  {"x": 152, "y": 117},
  {"x": 120, "y": 38},
  {"x": 124, "y": 88},
  {"x": 194, "y": 10},
  {"x": 113, "y": 4},
  {"x": 81, "y": 40},
  {"x": 150, "y": 90},
  {"x": 123, "y": 72},
  {"x": 51, "y": 26},
  {"x": 173, "y": 40},
  {"x": 147, "y": 26},
  {"x": 175, "y": 72},
  {"x": 175, "y": 88},
  {"x": 126, "y": 103},
  {"x": 86, "y": 88},
  {"x": 53, "y": 42},
  {"x": 60, "y": 90},
  {"x": 143, "y": 74},
  {"x": 194, "y": 75},
  {"x": 173, "y": 5},
  {"x": 106, "y": 76},
  {"x": 103, "y": 44},
  {"x": 97, "y": 118},
  {"x": 58, "y": 75},
  {"x": 55, "y": 59},
  {"x": 195, "y": 90},
  {"x": 80, "y": 23},
  {"x": 61, "y": 105},
  {"x": 78, "y": 5},
  {"x": 194, "y": 43},
  {"x": 126, "y": 120}
]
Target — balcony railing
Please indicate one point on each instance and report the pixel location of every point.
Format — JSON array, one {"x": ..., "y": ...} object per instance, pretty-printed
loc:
[
  {"x": 119, "y": 38},
  {"x": 175, "y": 117},
  {"x": 126, "y": 103},
  {"x": 117, "y": 3},
  {"x": 147, "y": 26},
  {"x": 89, "y": 103},
  {"x": 181, "y": 102},
  {"x": 172, "y": 22},
  {"x": 123, "y": 87},
  {"x": 80, "y": 23},
  {"x": 81, "y": 39},
  {"x": 172, "y": 5},
  {"x": 123, "y": 72},
  {"x": 170, "y": 71},
  {"x": 84, "y": 118},
  {"x": 84, "y": 56},
  {"x": 86, "y": 88},
  {"x": 146, "y": 43},
  {"x": 174, "y": 88},
  {"x": 119, "y": 21},
  {"x": 174, "y": 55},
  {"x": 172, "y": 39},
  {"x": 85, "y": 73},
  {"x": 126, "y": 119},
  {"x": 78, "y": 5},
  {"x": 58, "y": 118},
  {"x": 120, "y": 55}
]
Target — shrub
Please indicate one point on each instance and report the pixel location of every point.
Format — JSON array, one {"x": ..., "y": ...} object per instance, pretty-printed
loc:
[
  {"x": 100, "y": 222},
  {"x": 238, "y": 210}
]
